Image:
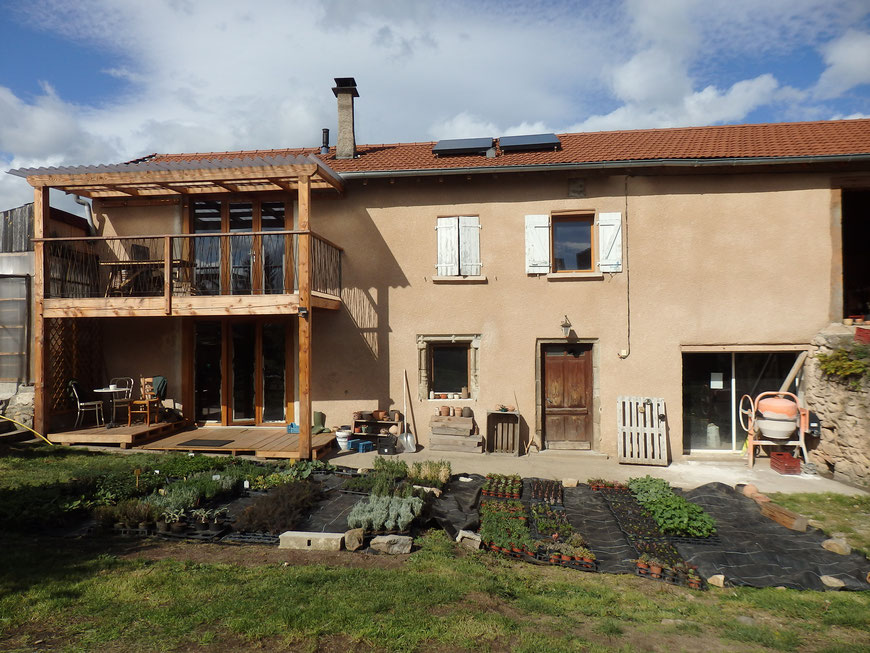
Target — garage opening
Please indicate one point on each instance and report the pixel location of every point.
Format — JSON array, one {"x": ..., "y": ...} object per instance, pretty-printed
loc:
[
  {"x": 712, "y": 387},
  {"x": 856, "y": 262}
]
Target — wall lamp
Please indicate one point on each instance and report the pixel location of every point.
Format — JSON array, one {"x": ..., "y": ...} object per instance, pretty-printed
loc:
[
  {"x": 566, "y": 327},
  {"x": 303, "y": 312}
]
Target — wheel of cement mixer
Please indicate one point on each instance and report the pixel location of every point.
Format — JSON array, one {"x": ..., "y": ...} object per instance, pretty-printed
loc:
[{"x": 746, "y": 412}]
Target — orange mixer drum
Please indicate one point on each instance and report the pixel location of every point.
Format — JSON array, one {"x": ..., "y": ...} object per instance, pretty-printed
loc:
[{"x": 777, "y": 408}]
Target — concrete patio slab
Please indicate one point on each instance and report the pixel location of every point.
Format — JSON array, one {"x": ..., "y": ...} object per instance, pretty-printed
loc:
[{"x": 558, "y": 465}]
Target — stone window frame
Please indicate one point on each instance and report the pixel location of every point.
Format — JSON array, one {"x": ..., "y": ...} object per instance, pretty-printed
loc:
[{"x": 423, "y": 349}]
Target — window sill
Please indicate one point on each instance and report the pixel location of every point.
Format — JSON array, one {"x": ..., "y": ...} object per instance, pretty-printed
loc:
[
  {"x": 576, "y": 276},
  {"x": 469, "y": 279}
]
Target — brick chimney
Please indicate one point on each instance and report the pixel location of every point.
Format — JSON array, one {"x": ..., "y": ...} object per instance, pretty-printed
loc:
[{"x": 345, "y": 91}]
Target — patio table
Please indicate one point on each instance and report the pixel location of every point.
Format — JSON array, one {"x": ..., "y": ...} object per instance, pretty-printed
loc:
[{"x": 113, "y": 392}]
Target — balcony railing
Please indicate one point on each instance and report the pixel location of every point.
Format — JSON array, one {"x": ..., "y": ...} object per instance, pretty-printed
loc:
[{"x": 251, "y": 263}]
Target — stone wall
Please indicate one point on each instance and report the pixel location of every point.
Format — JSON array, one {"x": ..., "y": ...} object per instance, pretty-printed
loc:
[
  {"x": 20, "y": 407},
  {"x": 844, "y": 413}
]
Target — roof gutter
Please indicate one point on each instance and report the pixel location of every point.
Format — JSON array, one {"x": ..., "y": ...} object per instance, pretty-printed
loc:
[{"x": 604, "y": 165}]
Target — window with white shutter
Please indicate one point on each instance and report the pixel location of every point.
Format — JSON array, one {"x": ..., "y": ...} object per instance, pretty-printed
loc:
[
  {"x": 569, "y": 244},
  {"x": 458, "y": 246}
]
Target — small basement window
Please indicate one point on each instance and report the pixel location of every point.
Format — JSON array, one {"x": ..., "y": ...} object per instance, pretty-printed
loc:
[{"x": 447, "y": 364}]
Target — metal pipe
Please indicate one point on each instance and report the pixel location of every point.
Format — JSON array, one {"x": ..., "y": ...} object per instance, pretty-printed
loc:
[{"x": 90, "y": 213}]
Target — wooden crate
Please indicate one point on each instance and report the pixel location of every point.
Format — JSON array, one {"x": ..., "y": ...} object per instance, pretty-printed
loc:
[{"x": 503, "y": 432}]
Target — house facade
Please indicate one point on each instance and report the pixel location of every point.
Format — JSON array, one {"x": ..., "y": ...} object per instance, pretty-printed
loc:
[{"x": 552, "y": 273}]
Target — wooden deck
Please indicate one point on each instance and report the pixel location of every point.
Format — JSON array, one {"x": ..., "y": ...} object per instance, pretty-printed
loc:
[
  {"x": 263, "y": 442},
  {"x": 125, "y": 436}
]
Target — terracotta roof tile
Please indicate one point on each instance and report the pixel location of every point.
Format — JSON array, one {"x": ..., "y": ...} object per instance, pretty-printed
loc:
[{"x": 780, "y": 140}]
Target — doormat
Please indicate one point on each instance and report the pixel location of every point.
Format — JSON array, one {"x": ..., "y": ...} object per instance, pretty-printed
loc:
[{"x": 204, "y": 443}]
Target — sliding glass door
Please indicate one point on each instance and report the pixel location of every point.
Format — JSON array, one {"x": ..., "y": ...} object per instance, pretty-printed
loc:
[
  {"x": 241, "y": 369},
  {"x": 713, "y": 384}
]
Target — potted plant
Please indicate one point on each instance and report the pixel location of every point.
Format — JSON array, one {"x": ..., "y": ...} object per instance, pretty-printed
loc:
[
  {"x": 202, "y": 516},
  {"x": 693, "y": 579},
  {"x": 146, "y": 514},
  {"x": 655, "y": 567},
  {"x": 163, "y": 523},
  {"x": 643, "y": 562},
  {"x": 217, "y": 524},
  {"x": 104, "y": 517},
  {"x": 175, "y": 519}
]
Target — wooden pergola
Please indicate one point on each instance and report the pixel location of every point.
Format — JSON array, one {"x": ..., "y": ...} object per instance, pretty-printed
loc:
[{"x": 145, "y": 179}]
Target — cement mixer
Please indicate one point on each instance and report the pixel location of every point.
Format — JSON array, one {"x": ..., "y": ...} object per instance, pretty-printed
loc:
[{"x": 774, "y": 418}]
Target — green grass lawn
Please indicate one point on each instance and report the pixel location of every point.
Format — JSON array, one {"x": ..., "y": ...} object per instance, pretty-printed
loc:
[
  {"x": 837, "y": 513},
  {"x": 92, "y": 594}
]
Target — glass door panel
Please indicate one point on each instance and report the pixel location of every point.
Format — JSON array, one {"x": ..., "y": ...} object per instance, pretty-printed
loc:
[
  {"x": 241, "y": 220},
  {"x": 274, "y": 372},
  {"x": 757, "y": 373},
  {"x": 272, "y": 219},
  {"x": 207, "y": 371},
  {"x": 207, "y": 251},
  {"x": 706, "y": 401},
  {"x": 243, "y": 357}
]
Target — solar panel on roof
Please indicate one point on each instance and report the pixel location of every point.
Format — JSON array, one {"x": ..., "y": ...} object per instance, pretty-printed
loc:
[
  {"x": 529, "y": 142},
  {"x": 462, "y": 146}
]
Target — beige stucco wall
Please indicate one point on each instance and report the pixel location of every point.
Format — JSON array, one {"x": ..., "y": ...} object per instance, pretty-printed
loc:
[
  {"x": 144, "y": 347},
  {"x": 738, "y": 260},
  {"x": 137, "y": 220}
]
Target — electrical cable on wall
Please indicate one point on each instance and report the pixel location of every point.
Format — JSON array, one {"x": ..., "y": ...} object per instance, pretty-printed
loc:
[{"x": 625, "y": 353}]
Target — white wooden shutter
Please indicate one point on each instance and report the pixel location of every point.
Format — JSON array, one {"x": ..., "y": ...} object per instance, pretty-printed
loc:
[
  {"x": 469, "y": 245},
  {"x": 537, "y": 244},
  {"x": 610, "y": 242},
  {"x": 448, "y": 247}
]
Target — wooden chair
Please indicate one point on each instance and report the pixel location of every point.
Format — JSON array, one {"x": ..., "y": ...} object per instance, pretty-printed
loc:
[{"x": 148, "y": 401}]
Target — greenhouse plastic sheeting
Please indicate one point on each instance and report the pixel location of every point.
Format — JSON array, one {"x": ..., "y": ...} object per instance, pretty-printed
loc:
[{"x": 757, "y": 552}]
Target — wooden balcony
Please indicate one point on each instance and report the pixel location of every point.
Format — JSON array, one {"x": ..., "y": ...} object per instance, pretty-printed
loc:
[{"x": 254, "y": 273}]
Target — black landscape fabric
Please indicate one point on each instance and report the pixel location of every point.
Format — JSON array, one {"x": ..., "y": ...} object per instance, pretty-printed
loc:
[
  {"x": 749, "y": 548},
  {"x": 589, "y": 515},
  {"x": 456, "y": 509},
  {"x": 757, "y": 552}
]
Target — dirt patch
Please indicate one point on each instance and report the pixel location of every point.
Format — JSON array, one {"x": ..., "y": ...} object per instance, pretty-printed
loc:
[{"x": 251, "y": 555}]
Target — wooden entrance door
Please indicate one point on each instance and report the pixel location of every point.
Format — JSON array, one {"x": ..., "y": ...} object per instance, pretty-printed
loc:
[{"x": 567, "y": 401}]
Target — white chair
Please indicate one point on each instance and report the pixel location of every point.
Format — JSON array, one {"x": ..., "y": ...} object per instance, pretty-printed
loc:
[
  {"x": 119, "y": 398},
  {"x": 85, "y": 406}
]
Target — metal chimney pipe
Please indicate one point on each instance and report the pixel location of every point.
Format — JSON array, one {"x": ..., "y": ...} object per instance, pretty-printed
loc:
[{"x": 324, "y": 145}]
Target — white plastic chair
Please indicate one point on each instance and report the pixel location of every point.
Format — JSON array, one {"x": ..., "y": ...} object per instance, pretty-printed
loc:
[
  {"x": 121, "y": 399},
  {"x": 85, "y": 406}
]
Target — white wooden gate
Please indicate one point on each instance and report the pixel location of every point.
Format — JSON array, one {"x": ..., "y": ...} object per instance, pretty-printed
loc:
[{"x": 642, "y": 430}]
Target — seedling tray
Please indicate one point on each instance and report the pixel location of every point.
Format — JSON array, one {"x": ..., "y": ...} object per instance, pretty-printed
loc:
[{"x": 250, "y": 538}]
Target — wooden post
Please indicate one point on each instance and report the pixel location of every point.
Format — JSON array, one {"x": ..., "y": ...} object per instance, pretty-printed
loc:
[
  {"x": 187, "y": 371},
  {"x": 40, "y": 403},
  {"x": 167, "y": 273},
  {"x": 305, "y": 321}
]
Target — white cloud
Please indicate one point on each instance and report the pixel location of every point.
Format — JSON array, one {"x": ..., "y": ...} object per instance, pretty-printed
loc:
[
  {"x": 705, "y": 107},
  {"x": 226, "y": 75},
  {"x": 848, "y": 64},
  {"x": 851, "y": 116}
]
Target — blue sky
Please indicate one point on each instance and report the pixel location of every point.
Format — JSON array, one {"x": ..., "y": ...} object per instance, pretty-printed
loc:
[{"x": 96, "y": 81}]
